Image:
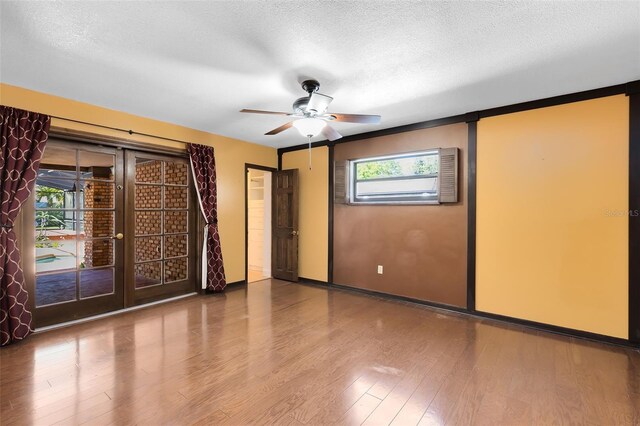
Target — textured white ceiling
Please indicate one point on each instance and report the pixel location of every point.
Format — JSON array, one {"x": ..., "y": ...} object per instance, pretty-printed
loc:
[{"x": 198, "y": 63}]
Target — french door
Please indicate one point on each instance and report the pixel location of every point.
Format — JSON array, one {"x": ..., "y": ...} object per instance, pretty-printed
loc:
[
  {"x": 106, "y": 228},
  {"x": 161, "y": 220}
]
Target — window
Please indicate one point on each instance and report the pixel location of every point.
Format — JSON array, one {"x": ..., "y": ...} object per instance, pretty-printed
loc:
[
  {"x": 425, "y": 177},
  {"x": 399, "y": 178}
]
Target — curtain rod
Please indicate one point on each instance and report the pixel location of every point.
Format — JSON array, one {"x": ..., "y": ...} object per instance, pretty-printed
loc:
[{"x": 131, "y": 132}]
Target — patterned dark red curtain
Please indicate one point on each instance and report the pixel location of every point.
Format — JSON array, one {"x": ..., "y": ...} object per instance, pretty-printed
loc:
[
  {"x": 203, "y": 166},
  {"x": 24, "y": 135}
]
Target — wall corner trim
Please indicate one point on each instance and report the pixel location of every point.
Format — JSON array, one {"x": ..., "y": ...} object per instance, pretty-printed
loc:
[
  {"x": 634, "y": 214},
  {"x": 330, "y": 216},
  {"x": 472, "y": 154},
  {"x": 632, "y": 88},
  {"x": 470, "y": 117}
]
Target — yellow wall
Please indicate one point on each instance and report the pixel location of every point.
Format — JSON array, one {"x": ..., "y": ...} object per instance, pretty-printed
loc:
[
  {"x": 552, "y": 215},
  {"x": 231, "y": 155},
  {"x": 314, "y": 205}
]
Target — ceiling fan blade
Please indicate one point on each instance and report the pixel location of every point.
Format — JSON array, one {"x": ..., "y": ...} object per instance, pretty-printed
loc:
[
  {"x": 259, "y": 111},
  {"x": 355, "y": 118},
  {"x": 331, "y": 133},
  {"x": 280, "y": 129},
  {"x": 318, "y": 103}
]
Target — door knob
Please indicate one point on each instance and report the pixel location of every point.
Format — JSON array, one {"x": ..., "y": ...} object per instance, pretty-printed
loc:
[
  {"x": 119, "y": 236},
  {"x": 294, "y": 233}
]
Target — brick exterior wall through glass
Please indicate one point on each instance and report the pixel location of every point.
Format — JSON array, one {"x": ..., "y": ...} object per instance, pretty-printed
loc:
[
  {"x": 161, "y": 204},
  {"x": 98, "y": 195}
]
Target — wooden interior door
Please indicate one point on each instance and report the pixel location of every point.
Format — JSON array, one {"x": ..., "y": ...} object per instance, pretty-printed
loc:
[
  {"x": 284, "y": 236},
  {"x": 72, "y": 233},
  {"x": 160, "y": 216}
]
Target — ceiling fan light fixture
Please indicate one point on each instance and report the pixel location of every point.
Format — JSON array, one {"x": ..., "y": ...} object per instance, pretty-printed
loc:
[{"x": 309, "y": 127}]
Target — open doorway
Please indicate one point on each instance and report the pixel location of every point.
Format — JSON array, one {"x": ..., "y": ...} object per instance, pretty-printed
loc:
[{"x": 258, "y": 222}]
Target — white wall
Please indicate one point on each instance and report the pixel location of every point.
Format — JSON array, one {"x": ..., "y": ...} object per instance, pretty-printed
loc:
[
  {"x": 259, "y": 222},
  {"x": 266, "y": 247}
]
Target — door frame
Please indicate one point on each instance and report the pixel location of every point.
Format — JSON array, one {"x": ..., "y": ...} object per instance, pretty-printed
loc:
[{"x": 248, "y": 166}]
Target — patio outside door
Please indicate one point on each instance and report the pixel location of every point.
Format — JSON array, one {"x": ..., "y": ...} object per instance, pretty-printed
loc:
[
  {"x": 107, "y": 228},
  {"x": 74, "y": 266},
  {"x": 160, "y": 220}
]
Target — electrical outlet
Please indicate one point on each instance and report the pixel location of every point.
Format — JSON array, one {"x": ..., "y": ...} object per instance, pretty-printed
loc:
[{"x": 380, "y": 269}]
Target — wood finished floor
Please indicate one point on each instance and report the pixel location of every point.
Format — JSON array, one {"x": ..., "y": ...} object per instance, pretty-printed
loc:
[
  {"x": 253, "y": 276},
  {"x": 280, "y": 353}
]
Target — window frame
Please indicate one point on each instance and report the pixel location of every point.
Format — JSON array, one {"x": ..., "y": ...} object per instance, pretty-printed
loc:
[{"x": 399, "y": 199}]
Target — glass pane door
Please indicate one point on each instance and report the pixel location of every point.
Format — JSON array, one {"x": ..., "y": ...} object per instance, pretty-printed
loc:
[
  {"x": 77, "y": 216},
  {"x": 160, "y": 260}
]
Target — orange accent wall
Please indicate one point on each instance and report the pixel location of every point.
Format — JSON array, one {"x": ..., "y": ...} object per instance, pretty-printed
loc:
[
  {"x": 313, "y": 217},
  {"x": 231, "y": 156},
  {"x": 552, "y": 215}
]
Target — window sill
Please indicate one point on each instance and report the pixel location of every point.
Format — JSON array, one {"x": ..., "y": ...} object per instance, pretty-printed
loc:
[{"x": 394, "y": 203}]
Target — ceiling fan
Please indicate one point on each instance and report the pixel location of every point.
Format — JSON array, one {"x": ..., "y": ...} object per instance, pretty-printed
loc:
[{"x": 311, "y": 116}]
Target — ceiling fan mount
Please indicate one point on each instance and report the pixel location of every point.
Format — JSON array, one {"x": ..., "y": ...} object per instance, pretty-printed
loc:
[
  {"x": 300, "y": 104},
  {"x": 310, "y": 114},
  {"x": 310, "y": 86}
]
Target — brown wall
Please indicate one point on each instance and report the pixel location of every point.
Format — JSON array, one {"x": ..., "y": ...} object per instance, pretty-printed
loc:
[{"x": 423, "y": 248}]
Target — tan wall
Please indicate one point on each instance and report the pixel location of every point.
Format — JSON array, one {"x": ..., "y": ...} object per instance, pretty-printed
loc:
[
  {"x": 552, "y": 215},
  {"x": 231, "y": 155},
  {"x": 423, "y": 249},
  {"x": 314, "y": 214}
]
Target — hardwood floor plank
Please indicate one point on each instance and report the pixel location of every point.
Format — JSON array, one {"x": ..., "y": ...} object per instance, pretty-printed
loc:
[
  {"x": 443, "y": 363},
  {"x": 290, "y": 354},
  {"x": 422, "y": 361},
  {"x": 359, "y": 411},
  {"x": 337, "y": 405}
]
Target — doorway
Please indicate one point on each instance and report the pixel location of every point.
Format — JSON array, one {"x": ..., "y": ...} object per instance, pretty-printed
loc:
[
  {"x": 258, "y": 199},
  {"x": 271, "y": 223},
  {"x": 106, "y": 228}
]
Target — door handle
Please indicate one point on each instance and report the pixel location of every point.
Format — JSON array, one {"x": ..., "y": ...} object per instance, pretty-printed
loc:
[
  {"x": 294, "y": 233},
  {"x": 118, "y": 236}
]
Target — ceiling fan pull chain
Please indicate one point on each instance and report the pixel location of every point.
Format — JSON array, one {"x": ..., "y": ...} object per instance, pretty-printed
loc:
[{"x": 309, "y": 136}]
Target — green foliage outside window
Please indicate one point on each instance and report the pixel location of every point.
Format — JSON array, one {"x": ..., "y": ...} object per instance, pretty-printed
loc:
[
  {"x": 379, "y": 169},
  {"x": 54, "y": 196},
  {"x": 47, "y": 219},
  {"x": 423, "y": 165}
]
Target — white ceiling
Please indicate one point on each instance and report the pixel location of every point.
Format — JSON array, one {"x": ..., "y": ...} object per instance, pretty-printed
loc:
[{"x": 198, "y": 63}]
